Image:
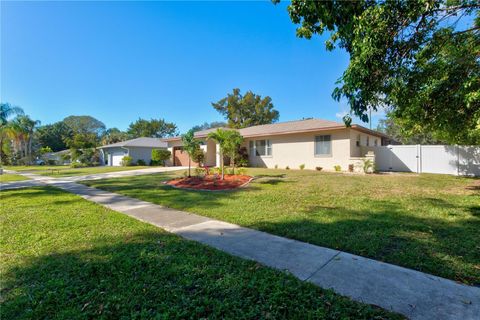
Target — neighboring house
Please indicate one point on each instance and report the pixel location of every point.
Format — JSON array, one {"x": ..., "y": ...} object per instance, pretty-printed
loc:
[
  {"x": 59, "y": 157},
  {"x": 138, "y": 149},
  {"x": 312, "y": 142}
]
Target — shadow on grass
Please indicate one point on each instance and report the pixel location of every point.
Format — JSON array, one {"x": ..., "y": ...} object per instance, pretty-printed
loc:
[
  {"x": 158, "y": 275},
  {"x": 444, "y": 242}
]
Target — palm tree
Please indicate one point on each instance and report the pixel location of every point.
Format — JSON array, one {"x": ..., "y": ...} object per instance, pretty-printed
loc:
[
  {"x": 190, "y": 145},
  {"x": 233, "y": 140},
  {"x": 21, "y": 130},
  {"x": 6, "y": 111},
  {"x": 224, "y": 140}
]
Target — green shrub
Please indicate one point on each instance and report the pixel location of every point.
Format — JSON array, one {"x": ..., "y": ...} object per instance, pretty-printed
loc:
[
  {"x": 276, "y": 166},
  {"x": 241, "y": 160},
  {"x": 141, "y": 162},
  {"x": 51, "y": 162},
  {"x": 337, "y": 168},
  {"x": 241, "y": 171},
  {"x": 200, "y": 172},
  {"x": 77, "y": 165},
  {"x": 368, "y": 166},
  {"x": 302, "y": 166},
  {"x": 287, "y": 168},
  {"x": 318, "y": 168},
  {"x": 159, "y": 156},
  {"x": 198, "y": 156},
  {"x": 127, "y": 161}
]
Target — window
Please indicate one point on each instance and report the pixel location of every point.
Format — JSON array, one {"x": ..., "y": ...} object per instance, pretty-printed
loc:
[
  {"x": 260, "y": 148},
  {"x": 368, "y": 141},
  {"x": 358, "y": 140},
  {"x": 323, "y": 145},
  {"x": 375, "y": 143}
]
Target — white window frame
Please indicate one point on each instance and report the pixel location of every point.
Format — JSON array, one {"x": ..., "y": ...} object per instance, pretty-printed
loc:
[
  {"x": 253, "y": 148},
  {"x": 358, "y": 142},
  {"x": 368, "y": 141},
  {"x": 322, "y": 155}
]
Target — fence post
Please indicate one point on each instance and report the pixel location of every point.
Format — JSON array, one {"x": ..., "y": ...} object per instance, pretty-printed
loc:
[{"x": 419, "y": 158}]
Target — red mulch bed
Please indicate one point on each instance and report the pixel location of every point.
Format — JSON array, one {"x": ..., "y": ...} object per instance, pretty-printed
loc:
[{"x": 211, "y": 182}]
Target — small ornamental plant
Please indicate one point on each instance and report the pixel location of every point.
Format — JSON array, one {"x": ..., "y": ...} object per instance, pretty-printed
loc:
[{"x": 302, "y": 166}]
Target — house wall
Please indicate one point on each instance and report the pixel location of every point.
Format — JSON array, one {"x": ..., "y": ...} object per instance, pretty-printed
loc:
[
  {"x": 295, "y": 149},
  {"x": 143, "y": 153},
  {"x": 210, "y": 153},
  {"x": 360, "y": 151}
]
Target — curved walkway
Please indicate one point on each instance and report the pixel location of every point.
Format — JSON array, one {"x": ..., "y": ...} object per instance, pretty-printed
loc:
[{"x": 415, "y": 294}]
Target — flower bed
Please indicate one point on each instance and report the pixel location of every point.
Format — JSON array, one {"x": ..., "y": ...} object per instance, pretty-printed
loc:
[{"x": 211, "y": 182}]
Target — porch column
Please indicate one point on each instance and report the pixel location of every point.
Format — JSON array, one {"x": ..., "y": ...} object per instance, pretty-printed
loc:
[{"x": 217, "y": 155}]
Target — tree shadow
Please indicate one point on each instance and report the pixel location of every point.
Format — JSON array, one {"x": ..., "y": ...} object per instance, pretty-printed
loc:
[
  {"x": 436, "y": 246},
  {"x": 158, "y": 275}
]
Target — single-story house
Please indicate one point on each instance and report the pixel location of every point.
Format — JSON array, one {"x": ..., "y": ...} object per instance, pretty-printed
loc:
[
  {"x": 60, "y": 157},
  {"x": 138, "y": 149},
  {"x": 310, "y": 142}
]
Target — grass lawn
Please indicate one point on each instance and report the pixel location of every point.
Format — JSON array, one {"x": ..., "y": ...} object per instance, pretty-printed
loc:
[
  {"x": 425, "y": 222},
  {"x": 9, "y": 177},
  {"x": 66, "y": 171},
  {"x": 66, "y": 258}
]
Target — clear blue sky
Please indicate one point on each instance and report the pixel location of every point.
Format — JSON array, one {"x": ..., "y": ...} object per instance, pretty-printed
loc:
[{"x": 119, "y": 61}]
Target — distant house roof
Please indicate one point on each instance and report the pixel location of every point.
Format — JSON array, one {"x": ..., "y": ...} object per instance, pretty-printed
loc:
[
  {"x": 139, "y": 142},
  {"x": 288, "y": 127}
]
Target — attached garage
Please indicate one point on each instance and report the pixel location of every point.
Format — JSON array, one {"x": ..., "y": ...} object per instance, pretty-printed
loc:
[
  {"x": 115, "y": 158},
  {"x": 180, "y": 157}
]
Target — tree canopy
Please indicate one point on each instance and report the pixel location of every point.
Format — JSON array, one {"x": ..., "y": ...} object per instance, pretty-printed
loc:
[
  {"x": 211, "y": 125},
  {"x": 418, "y": 59},
  {"x": 113, "y": 135},
  {"x": 246, "y": 110},
  {"x": 54, "y": 135},
  {"x": 154, "y": 128}
]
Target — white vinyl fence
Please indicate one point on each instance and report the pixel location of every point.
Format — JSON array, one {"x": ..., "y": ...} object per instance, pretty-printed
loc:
[{"x": 456, "y": 160}]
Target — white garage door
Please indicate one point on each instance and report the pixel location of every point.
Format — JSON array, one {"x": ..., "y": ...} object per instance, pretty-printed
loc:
[{"x": 117, "y": 158}]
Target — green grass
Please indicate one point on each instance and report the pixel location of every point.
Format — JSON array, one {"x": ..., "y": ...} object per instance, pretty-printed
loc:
[
  {"x": 66, "y": 258},
  {"x": 10, "y": 177},
  {"x": 66, "y": 171},
  {"x": 425, "y": 222}
]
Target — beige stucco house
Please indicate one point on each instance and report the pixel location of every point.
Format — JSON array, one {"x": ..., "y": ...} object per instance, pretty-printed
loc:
[{"x": 311, "y": 142}]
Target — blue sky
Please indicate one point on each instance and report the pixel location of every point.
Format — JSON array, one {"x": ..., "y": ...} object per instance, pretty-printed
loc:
[{"x": 119, "y": 61}]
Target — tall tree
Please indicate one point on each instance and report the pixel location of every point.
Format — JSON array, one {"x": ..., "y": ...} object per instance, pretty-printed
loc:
[
  {"x": 395, "y": 130},
  {"x": 85, "y": 124},
  {"x": 22, "y": 129},
  {"x": 190, "y": 145},
  {"x": 154, "y": 128},
  {"x": 418, "y": 58},
  {"x": 6, "y": 112},
  {"x": 246, "y": 110},
  {"x": 211, "y": 125},
  {"x": 86, "y": 132},
  {"x": 54, "y": 135},
  {"x": 114, "y": 135}
]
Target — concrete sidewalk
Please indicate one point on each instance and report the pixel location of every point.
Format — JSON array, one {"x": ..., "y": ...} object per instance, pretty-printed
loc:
[{"x": 415, "y": 294}]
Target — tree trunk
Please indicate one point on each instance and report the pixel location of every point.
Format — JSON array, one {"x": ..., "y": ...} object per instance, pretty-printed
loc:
[
  {"x": 189, "y": 167},
  {"x": 221, "y": 162}
]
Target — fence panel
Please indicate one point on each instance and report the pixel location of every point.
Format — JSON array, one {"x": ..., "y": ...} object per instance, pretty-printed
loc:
[
  {"x": 457, "y": 160},
  {"x": 439, "y": 159}
]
